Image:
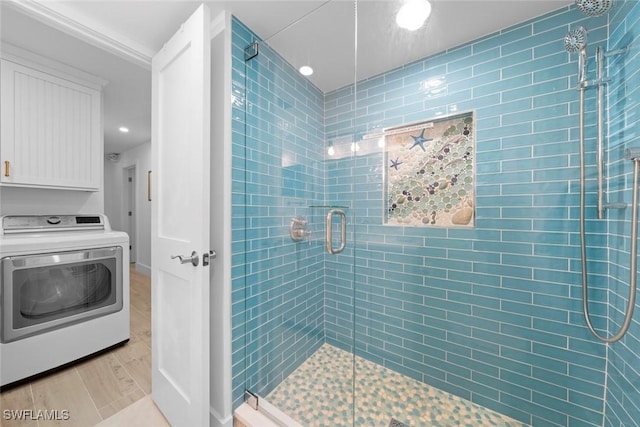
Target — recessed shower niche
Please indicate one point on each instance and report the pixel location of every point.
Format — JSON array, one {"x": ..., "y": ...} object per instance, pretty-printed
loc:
[{"x": 430, "y": 172}]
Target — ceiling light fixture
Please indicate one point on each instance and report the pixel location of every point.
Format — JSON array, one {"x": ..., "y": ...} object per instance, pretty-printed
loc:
[
  {"x": 305, "y": 70},
  {"x": 123, "y": 129},
  {"x": 413, "y": 13}
]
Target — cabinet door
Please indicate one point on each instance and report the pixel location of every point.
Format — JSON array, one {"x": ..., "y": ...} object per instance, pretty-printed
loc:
[{"x": 51, "y": 130}]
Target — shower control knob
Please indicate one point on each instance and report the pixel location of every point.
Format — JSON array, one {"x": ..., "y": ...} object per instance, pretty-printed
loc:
[{"x": 298, "y": 229}]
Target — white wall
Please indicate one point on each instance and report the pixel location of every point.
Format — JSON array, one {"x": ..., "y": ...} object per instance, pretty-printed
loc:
[
  {"x": 39, "y": 201},
  {"x": 114, "y": 204}
]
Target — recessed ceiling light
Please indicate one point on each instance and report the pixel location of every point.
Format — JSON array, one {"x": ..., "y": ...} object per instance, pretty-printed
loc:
[
  {"x": 123, "y": 129},
  {"x": 305, "y": 70},
  {"x": 412, "y": 15}
]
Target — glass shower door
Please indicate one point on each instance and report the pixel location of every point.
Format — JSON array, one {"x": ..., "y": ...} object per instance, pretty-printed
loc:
[
  {"x": 292, "y": 298},
  {"x": 423, "y": 350}
]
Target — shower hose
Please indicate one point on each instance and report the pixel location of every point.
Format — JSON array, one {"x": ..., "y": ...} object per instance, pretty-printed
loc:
[{"x": 583, "y": 249}]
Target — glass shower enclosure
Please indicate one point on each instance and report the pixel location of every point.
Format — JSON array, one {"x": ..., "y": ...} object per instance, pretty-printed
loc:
[
  {"x": 333, "y": 318},
  {"x": 298, "y": 213},
  {"x": 404, "y": 220}
]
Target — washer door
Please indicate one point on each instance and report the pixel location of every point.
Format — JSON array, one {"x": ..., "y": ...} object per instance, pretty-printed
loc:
[{"x": 49, "y": 291}]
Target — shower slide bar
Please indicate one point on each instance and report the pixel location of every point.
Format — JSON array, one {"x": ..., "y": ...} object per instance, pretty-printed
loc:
[
  {"x": 329, "y": 233},
  {"x": 600, "y": 159},
  {"x": 600, "y": 83},
  {"x": 576, "y": 41},
  {"x": 633, "y": 155}
]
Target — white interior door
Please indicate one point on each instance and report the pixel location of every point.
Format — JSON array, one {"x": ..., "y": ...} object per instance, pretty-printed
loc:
[{"x": 180, "y": 223}]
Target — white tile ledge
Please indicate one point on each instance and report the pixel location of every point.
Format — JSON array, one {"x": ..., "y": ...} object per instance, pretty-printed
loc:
[{"x": 267, "y": 416}]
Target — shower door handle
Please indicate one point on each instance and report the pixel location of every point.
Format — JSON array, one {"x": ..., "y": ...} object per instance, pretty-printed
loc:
[{"x": 343, "y": 231}]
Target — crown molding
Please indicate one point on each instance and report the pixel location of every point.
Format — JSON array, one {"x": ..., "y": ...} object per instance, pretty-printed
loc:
[
  {"x": 26, "y": 58},
  {"x": 87, "y": 31}
]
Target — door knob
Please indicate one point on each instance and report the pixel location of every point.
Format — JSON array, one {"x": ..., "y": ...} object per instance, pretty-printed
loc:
[{"x": 193, "y": 259}]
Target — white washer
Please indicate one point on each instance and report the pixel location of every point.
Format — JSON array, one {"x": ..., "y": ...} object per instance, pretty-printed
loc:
[{"x": 64, "y": 291}]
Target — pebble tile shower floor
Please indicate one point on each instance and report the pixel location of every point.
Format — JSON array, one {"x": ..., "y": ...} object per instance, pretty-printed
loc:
[{"x": 318, "y": 393}]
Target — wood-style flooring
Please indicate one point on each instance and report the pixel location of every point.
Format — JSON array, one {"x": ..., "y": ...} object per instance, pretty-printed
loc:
[{"x": 97, "y": 388}]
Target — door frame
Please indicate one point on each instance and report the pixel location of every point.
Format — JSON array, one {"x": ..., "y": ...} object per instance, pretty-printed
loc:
[
  {"x": 129, "y": 198},
  {"x": 221, "y": 407}
]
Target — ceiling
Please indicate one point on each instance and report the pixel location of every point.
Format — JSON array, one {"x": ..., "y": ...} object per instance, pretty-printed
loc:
[{"x": 116, "y": 39}]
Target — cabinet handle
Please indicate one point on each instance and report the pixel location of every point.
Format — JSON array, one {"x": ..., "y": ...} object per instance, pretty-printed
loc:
[
  {"x": 6, "y": 167},
  {"x": 148, "y": 186}
]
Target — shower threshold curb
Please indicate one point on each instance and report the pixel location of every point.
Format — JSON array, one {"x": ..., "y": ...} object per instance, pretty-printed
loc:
[{"x": 266, "y": 416}]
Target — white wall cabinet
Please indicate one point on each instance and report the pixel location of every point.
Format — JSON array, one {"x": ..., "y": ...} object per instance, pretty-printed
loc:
[{"x": 51, "y": 133}]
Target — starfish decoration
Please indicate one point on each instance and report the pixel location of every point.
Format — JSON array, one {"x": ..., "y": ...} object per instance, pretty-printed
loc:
[
  {"x": 395, "y": 163},
  {"x": 420, "y": 140}
]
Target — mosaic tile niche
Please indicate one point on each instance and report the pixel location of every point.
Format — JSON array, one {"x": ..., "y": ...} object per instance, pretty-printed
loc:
[{"x": 430, "y": 179}]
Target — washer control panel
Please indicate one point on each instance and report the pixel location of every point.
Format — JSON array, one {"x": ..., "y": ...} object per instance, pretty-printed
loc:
[{"x": 39, "y": 223}]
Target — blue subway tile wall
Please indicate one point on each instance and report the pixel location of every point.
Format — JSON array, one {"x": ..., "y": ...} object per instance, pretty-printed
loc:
[
  {"x": 491, "y": 314},
  {"x": 623, "y": 392},
  {"x": 278, "y": 284}
]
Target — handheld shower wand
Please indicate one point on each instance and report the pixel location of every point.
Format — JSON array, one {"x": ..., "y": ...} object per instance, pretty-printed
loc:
[{"x": 576, "y": 41}]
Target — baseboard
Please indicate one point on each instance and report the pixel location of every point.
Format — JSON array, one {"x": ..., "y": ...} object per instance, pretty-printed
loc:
[
  {"x": 216, "y": 420},
  {"x": 144, "y": 269}
]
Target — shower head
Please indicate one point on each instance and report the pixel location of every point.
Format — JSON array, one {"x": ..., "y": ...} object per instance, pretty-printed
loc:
[
  {"x": 576, "y": 41},
  {"x": 594, "y": 7}
]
